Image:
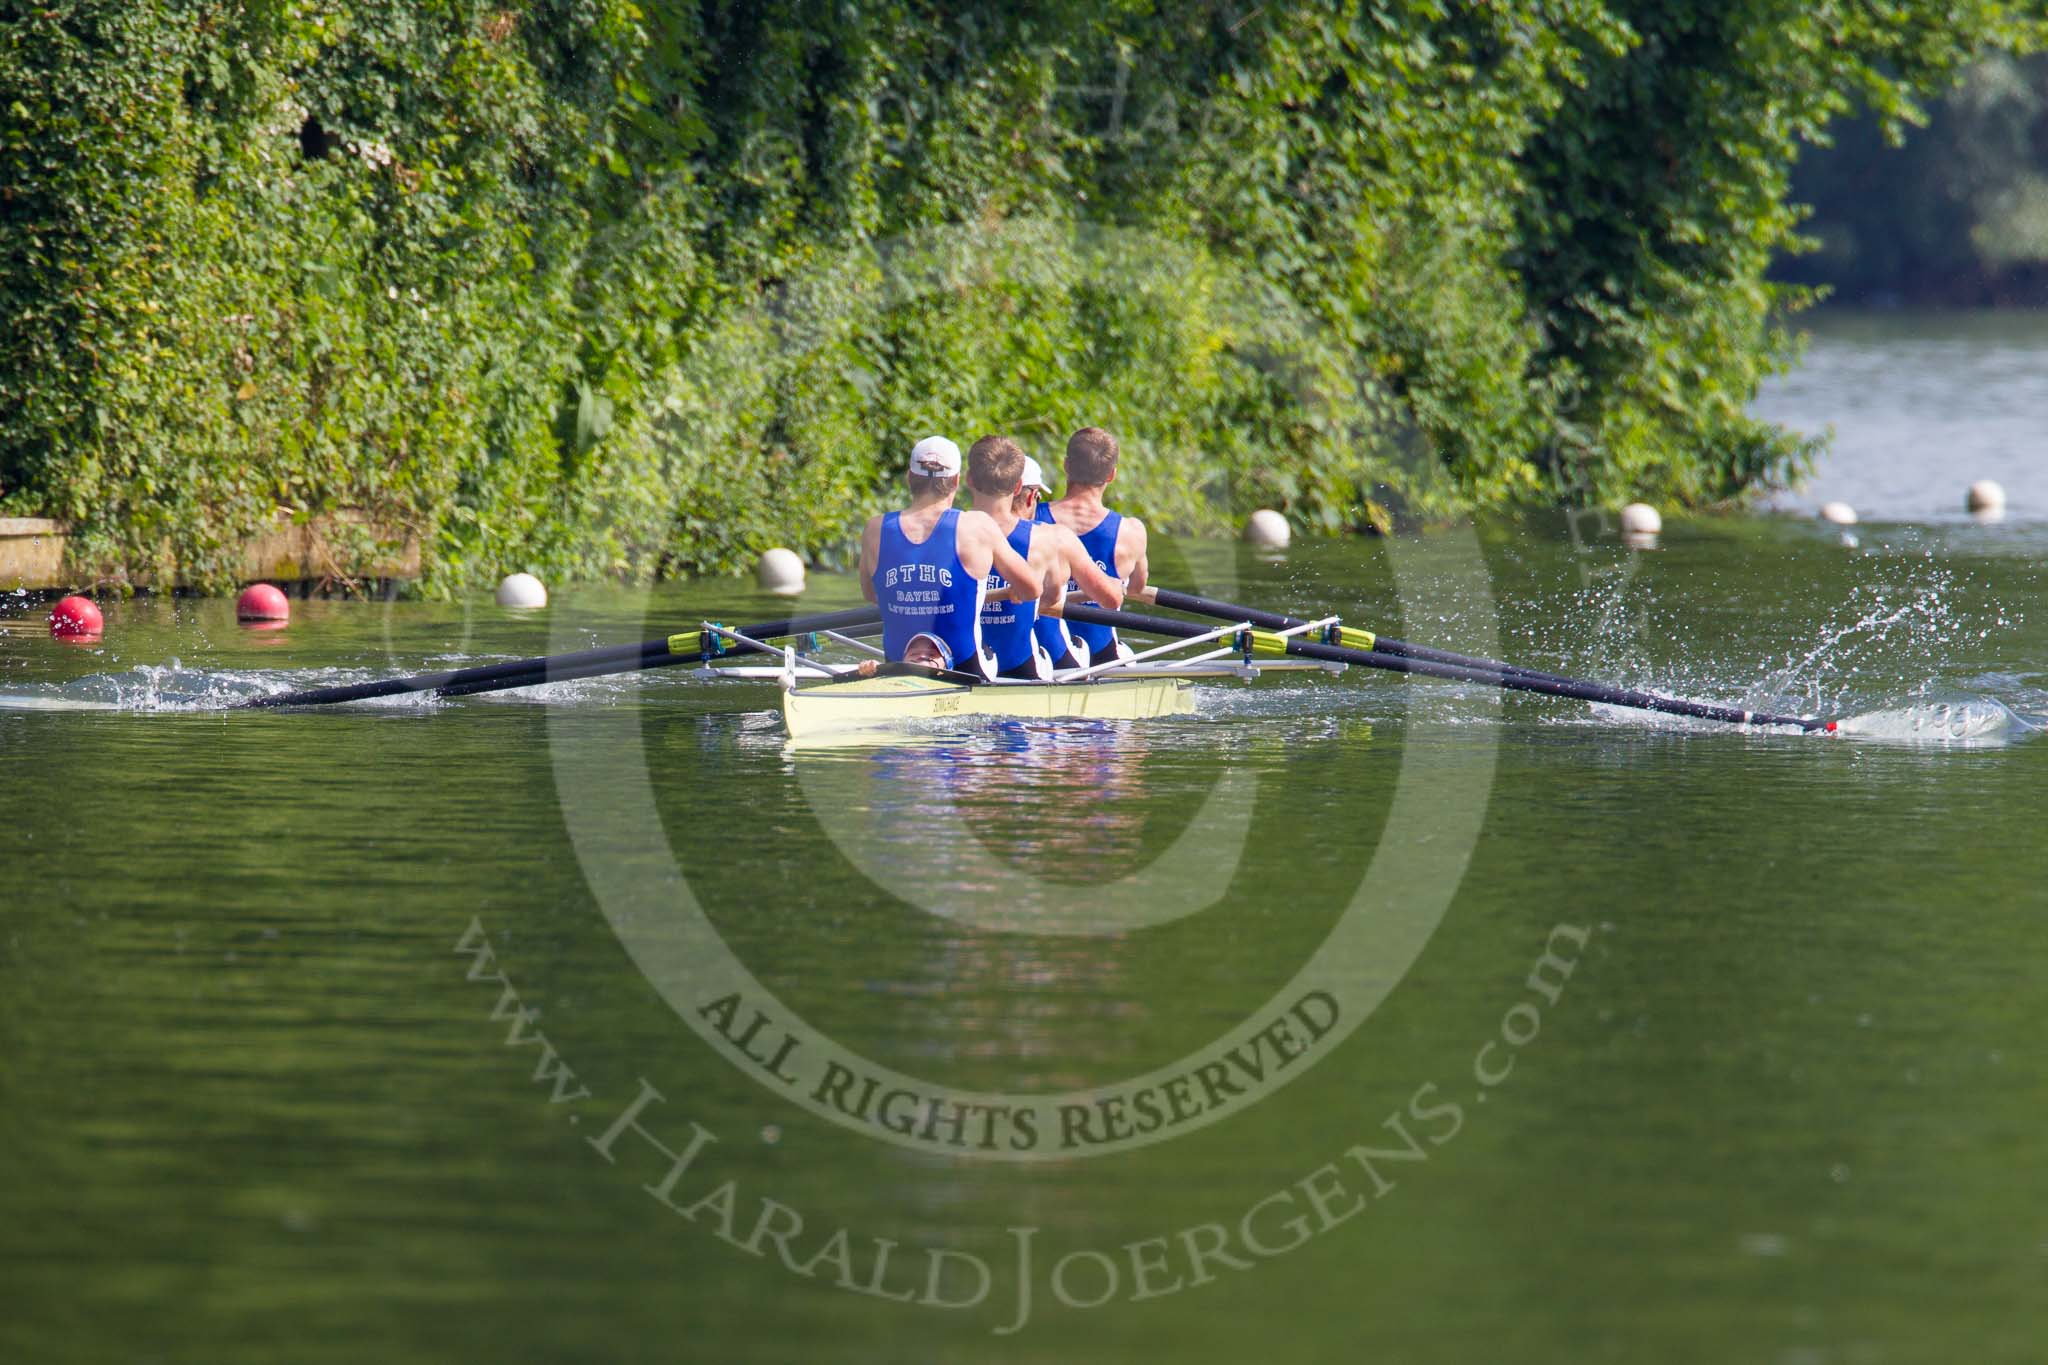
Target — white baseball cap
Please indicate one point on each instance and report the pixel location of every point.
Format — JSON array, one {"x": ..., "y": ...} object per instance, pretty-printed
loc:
[
  {"x": 1034, "y": 477},
  {"x": 935, "y": 456}
]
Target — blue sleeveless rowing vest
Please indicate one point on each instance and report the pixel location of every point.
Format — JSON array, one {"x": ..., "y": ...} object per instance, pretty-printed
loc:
[
  {"x": 1051, "y": 631},
  {"x": 1100, "y": 544},
  {"x": 1006, "y": 626},
  {"x": 922, "y": 589}
]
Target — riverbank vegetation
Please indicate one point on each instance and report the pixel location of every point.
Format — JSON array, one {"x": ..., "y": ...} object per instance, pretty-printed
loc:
[{"x": 594, "y": 287}]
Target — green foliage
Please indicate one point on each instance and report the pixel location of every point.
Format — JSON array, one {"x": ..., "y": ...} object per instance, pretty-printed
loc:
[
  {"x": 592, "y": 288},
  {"x": 1659, "y": 199}
]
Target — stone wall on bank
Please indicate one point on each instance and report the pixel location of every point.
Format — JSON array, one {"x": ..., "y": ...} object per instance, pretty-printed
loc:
[{"x": 33, "y": 555}]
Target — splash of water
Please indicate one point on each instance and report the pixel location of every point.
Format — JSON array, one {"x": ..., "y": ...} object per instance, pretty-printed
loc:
[
  {"x": 1918, "y": 618},
  {"x": 147, "y": 687},
  {"x": 1975, "y": 722},
  {"x": 1922, "y": 611},
  {"x": 174, "y": 687},
  {"x": 1924, "y": 618}
]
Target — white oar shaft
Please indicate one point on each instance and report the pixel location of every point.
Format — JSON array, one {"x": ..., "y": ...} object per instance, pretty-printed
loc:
[
  {"x": 1172, "y": 647},
  {"x": 790, "y": 660},
  {"x": 861, "y": 645}
]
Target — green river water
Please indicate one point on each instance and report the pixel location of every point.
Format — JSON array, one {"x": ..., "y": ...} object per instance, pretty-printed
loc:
[
  {"x": 1776, "y": 1096},
  {"x": 1346, "y": 1018}
]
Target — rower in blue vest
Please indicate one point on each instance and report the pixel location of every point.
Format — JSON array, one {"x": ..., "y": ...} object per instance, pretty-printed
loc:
[
  {"x": 1034, "y": 503},
  {"x": 1116, "y": 543},
  {"x": 996, "y": 473},
  {"x": 927, "y": 567}
]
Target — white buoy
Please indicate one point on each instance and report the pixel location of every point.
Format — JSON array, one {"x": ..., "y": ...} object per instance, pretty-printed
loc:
[
  {"x": 523, "y": 591},
  {"x": 1986, "y": 499},
  {"x": 1840, "y": 513},
  {"x": 1267, "y": 529},
  {"x": 1641, "y": 519},
  {"x": 780, "y": 571}
]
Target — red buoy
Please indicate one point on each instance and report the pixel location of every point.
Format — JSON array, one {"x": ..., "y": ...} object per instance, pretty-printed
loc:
[
  {"x": 76, "y": 618},
  {"x": 262, "y": 602}
]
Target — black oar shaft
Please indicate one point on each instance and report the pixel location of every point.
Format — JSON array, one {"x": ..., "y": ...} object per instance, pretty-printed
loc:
[
  {"x": 587, "y": 663},
  {"x": 1496, "y": 677},
  {"x": 568, "y": 673},
  {"x": 1273, "y": 620}
]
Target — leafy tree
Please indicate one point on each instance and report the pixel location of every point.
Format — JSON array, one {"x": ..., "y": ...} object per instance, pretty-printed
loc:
[{"x": 1660, "y": 200}]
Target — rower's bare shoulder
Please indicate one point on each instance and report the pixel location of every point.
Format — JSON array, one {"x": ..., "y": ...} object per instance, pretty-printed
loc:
[
  {"x": 979, "y": 525},
  {"x": 1064, "y": 539}
]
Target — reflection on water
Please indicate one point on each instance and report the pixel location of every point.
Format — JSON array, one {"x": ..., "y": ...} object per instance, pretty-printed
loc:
[{"x": 1033, "y": 828}]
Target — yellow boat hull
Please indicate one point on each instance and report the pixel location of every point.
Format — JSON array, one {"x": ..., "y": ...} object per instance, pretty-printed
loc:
[{"x": 826, "y": 710}]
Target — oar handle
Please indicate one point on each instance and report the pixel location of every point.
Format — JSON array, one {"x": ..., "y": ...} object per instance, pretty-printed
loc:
[{"x": 1072, "y": 598}]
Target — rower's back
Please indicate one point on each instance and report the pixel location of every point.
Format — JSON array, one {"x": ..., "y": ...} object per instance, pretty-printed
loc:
[
  {"x": 913, "y": 569},
  {"x": 995, "y": 472},
  {"x": 1115, "y": 542},
  {"x": 922, "y": 587}
]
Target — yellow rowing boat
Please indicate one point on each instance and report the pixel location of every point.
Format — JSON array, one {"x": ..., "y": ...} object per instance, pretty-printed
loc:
[{"x": 890, "y": 701}]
